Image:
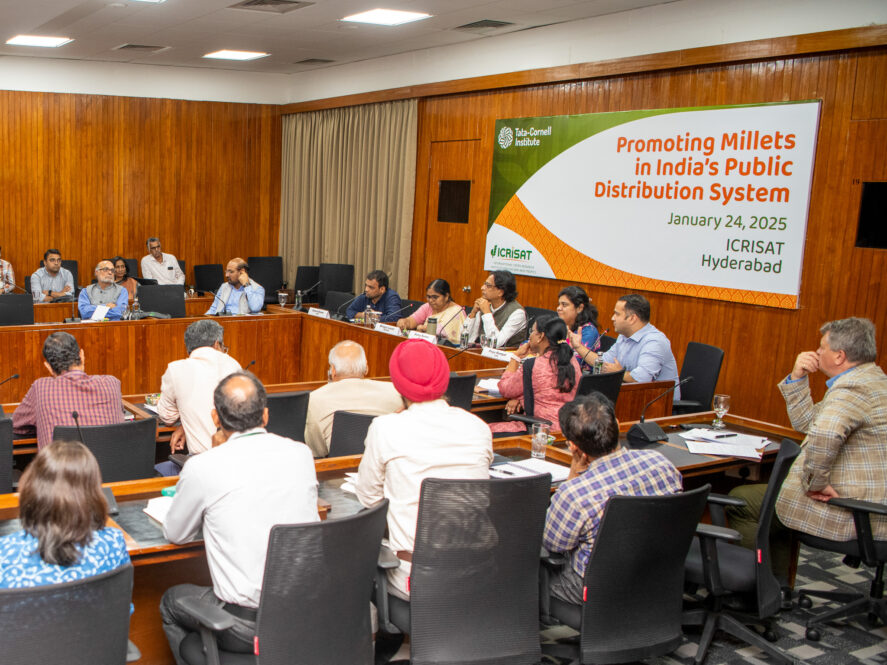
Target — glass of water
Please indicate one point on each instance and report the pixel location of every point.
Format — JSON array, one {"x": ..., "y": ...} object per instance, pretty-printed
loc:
[
  {"x": 721, "y": 405},
  {"x": 282, "y": 297},
  {"x": 540, "y": 433}
]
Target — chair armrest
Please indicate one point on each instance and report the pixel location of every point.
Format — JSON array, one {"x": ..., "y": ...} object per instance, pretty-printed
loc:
[
  {"x": 710, "y": 531},
  {"x": 387, "y": 559},
  {"x": 549, "y": 562},
  {"x": 858, "y": 505},
  {"x": 862, "y": 514},
  {"x": 528, "y": 420},
  {"x": 552, "y": 559},
  {"x": 716, "y": 504},
  {"x": 725, "y": 500},
  {"x": 211, "y": 616},
  {"x": 687, "y": 403}
]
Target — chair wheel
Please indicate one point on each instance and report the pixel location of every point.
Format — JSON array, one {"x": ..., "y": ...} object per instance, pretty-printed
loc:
[
  {"x": 770, "y": 635},
  {"x": 813, "y": 635},
  {"x": 805, "y": 602}
]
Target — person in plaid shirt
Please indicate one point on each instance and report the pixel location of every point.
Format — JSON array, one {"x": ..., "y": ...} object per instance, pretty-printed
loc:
[
  {"x": 599, "y": 469},
  {"x": 50, "y": 400}
]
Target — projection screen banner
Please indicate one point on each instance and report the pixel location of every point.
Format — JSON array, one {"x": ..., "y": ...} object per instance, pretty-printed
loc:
[{"x": 709, "y": 202}]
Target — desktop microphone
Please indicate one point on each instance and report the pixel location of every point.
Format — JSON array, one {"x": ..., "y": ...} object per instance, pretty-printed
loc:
[
  {"x": 222, "y": 311},
  {"x": 312, "y": 287},
  {"x": 252, "y": 362},
  {"x": 441, "y": 327},
  {"x": 642, "y": 433},
  {"x": 76, "y": 417},
  {"x": 458, "y": 353},
  {"x": 347, "y": 302},
  {"x": 16, "y": 286},
  {"x": 8, "y": 378}
]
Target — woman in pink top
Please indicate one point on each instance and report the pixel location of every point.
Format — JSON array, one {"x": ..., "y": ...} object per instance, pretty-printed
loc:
[
  {"x": 440, "y": 304},
  {"x": 556, "y": 375}
]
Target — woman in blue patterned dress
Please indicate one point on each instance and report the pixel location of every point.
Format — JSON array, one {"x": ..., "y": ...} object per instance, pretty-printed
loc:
[
  {"x": 63, "y": 515},
  {"x": 575, "y": 309}
]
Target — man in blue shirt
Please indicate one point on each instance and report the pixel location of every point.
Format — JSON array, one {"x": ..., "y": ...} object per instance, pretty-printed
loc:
[
  {"x": 379, "y": 297},
  {"x": 103, "y": 292},
  {"x": 641, "y": 348},
  {"x": 240, "y": 294}
]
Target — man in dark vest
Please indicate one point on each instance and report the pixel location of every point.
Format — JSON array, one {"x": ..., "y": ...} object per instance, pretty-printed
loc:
[
  {"x": 501, "y": 316},
  {"x": 103, "y": 292}
]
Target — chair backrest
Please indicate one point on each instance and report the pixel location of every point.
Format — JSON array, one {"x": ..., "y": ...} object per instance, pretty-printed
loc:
[
  {"x": 334, "y": 277},
  {"x": 635, "y": 576},
  {"x": 349, "y": 432},
  {"x": 287, "y": 413},
  {"x": 184, "y": 269},
  {"x": 606, "y": 343},
  {"x": 208, "y": 276},
  {"x": 474, "y": 584},
  {"x": 17, "y": 309},
  {"x": 768, "y": 590},
  {"x": 132, "y": 267},
  {"x": 164, "y": 298},
  {"x": 124, "y": 451},
  {"x": 145, "y": 281},
  {"x": 71, "y": 266},
  {"x": 335, "y": 301},
  {"x": 306, "y": 277},
  {"x": 534, "y": 313},
  {"x": 267, "y": 271},
  {"x": 460, "y": 390},
  {"x": 77, "y": 623},
  {"x": 703, "y": 363},
  {"x": 411, "y": 306},
  {"x": 609, "y": 384},
  {"x": 6, "y": 458},
  {"x": 316, "y": 591}
]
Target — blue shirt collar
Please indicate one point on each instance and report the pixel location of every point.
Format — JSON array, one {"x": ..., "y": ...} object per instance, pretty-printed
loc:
[
  {"x": 831, "y": 381},
  {"x": 643, "y": 332}
]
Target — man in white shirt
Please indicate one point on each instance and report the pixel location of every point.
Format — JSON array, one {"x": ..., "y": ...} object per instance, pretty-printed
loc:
[
  {"x": 347, "y": 390},
  {"x": 186, "y": 389},
  {"x": 236, "y": 492},
  {"x": 162, "y": 267},
  {"x": 430, "y": 439}
]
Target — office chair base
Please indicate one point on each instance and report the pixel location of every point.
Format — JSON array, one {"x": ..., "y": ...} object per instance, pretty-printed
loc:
[{"x": 713, "y": 620}]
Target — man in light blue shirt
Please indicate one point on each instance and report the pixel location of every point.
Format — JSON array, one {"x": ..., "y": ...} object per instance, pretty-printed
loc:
[
  {"x": 240, "y": 294},
  {"x": 52, "y": 281},
  {"x": 641, "y": 348},
  {"x": 104, "y": 292}
]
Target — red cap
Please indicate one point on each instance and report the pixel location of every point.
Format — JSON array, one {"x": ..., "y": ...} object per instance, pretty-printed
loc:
[{"x": 419, "y": 370}]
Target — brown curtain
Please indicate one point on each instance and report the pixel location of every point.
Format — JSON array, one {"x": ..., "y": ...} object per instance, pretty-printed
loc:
[{"x": 348, "y": 183}]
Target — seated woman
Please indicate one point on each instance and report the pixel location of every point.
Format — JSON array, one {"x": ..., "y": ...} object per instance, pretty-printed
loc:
[
  {"x": 555, "y": 375},
  {"x": 575, "y": 309},
  {"x": 440, "y": 304},
  {"x": 121, "y": 276},
  {"x": 63, "y": 514}
]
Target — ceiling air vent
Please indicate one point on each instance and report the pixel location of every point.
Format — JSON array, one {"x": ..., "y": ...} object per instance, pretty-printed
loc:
[
  {"x": 314, "y": 61},
  {"x": 140, "y": 48},
  {"x": 273, "y": 6},
  {"x": 483, "y": 27}
]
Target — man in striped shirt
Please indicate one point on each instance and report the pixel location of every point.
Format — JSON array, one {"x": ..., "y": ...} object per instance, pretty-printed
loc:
[
  {"x": 600, "y": 469},
  {"x": 50, "y": 400}
]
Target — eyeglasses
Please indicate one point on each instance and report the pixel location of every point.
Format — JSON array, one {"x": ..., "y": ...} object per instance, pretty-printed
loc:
[
  {"x": 489, "y": 285},
  {"x": 106, "y": 270}
]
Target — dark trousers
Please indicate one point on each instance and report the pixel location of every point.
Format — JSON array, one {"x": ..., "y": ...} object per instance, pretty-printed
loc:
[
  {"x": 177, "y": 624},
  {"x": 567, "y": 585},
  {"x": 745, "y": 521}
]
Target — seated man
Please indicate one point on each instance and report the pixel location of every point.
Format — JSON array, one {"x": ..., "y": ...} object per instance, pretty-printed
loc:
[
  {"x": 186, "y": 389},
  {"x": 236, "y": 492},
  {"x": 239, "y": 294},
  {"x": 844, "y": 453},
  {"x": 347, "y": 390},
  {"x": 7, "y": 276},
  {"x": 379, "y": 297},
  {"x": 641, "y": 348},
  {"x": 497, "y": 313},
  {"x": 50, "y": 400},
  {"x": 162, "y": 267},
  {"x": 599, "y": 469},
  {"x": 52, "y": 281},
  {"x": 104, "y": 292},
  {"x": 429, "y": 439}
]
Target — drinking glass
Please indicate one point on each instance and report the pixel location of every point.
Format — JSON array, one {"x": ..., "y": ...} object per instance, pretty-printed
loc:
[
  {"x": 720, "y": 404},
  {"x": 281, "y": 298},
  {"x": 540, "y": 439},
  {"x": 483, "y": 340}
]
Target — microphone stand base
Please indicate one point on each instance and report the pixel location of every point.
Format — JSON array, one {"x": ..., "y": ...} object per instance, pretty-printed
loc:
[{"x": 643, "y": 434}]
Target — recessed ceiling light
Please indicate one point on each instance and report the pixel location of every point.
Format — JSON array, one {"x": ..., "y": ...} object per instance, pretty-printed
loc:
[
  {"x": 37, "y": 40},
  {"x": 386, "y": 17},
  {"x": 236, "y": 55}
]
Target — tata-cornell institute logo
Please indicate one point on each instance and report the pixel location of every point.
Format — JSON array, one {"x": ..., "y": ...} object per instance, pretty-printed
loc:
[
  {"x": 506, "y": 137},
  {"x": 512, "y": 253}
]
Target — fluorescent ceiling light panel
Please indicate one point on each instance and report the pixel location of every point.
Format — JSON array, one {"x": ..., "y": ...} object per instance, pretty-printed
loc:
[
  {"x": 236, "y": 55},
  {"x": 37, "y": 40},
  {"x": 386, "y": 17}
]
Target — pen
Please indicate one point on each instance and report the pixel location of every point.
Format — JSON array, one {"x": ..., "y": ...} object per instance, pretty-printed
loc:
[
  {"x": 724, "y": 436},
  {"x": 507, "y": 473}
]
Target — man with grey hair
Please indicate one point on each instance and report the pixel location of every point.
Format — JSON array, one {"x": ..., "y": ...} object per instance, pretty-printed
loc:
[
  {"x": 347, "y": 390},
  {"x": 160, "y": 266},
  {"x": 103, "y": 292},
  {"x": 843, "y": 453},
  {"x": 186, "y": 389}
]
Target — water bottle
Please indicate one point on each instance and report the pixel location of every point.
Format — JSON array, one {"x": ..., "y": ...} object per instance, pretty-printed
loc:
[
  {"x": 297, "y": 301},
  {"x": 136, "y": 307},
  {"x": 463, "y": 337},
  {"x": 368, "y": 315}
]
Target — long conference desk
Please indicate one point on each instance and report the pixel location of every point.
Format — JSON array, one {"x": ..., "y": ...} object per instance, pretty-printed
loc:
[{"x": 160, "y": 564}]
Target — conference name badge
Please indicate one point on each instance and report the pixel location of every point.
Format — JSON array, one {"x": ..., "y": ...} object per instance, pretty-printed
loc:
[
  {"x": 317, "y": 311},
  {"x": 388, "y": 329},
  {"x": 415, "y": 334},
  {"x": 497, "y": 354}
]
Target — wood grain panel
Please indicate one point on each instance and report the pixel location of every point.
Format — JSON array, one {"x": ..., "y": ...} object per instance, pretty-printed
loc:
[{"x": 95, "y": 176}]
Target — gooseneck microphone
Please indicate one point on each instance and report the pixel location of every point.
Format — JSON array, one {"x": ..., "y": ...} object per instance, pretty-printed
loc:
[
  {"x": 76, "y": 417},
  {"x": 441, "y": 327},
  {"x": 8, "y": 378},
  {"x": 16, "y": 286},
  {"x": 347, "y": 302},
  {"x": 252, "y": 362},
  {"x": 642, "y": 433}
]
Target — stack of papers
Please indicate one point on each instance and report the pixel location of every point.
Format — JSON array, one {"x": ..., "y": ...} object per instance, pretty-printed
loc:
[
  {"x": 491, "y": 386},
  {"x": 158, "y": 507},
  {"x": 530, "y": 467},
  {"x": 348, "y": 485},
  {"x": 724, "y": 443}
]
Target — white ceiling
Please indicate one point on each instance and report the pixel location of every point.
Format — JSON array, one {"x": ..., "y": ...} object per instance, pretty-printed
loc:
[{"x": 187, "y": 29}]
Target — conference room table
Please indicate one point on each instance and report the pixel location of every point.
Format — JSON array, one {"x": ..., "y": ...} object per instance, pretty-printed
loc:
[{"x": 159, "y": 564}]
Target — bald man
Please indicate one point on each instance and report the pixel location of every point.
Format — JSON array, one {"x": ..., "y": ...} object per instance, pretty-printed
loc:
[
  {"x": 103, "y": 292},
  {"x": 347, "y": 390},
  {"x": 239, "y": 294}
]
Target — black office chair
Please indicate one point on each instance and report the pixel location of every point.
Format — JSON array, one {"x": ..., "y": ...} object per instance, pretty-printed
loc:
[
  {"x": 744, "y": 575},
  {"x": 865, "y": 549},
  {"x": 474, "y": 583},
  {"x": 132, "y": 267},
  {"x": 703, "y": 363},
  {"x": 184, "y": 271},
  {"x": 287, "y": 413},
  {"x": 534, "y": 313},
  {"x": 145, "y": 281},
  {"x": 634, "y": 581},
  {"x": 334, "y": 277},
  {"x": 6, "y": 458},
  {"x": 84, "y": 622},
  {"x": 16, "y": 309},
  {"x": 164, "y": 298},
  {"x": 460, "y": 390},
  {"x": 208, "y": 277},
  {"x": 306, "y": 282},
  {"x": 608, "y": 383},
  {"x": 349, "y": 432},
  {"x": 267, "y": 271},
  {"x": 124, "y": 451},
  {"x": 335, "y": 302},
  {"x": 315, "y": 597},
  {"x": 606, "y": 343}
]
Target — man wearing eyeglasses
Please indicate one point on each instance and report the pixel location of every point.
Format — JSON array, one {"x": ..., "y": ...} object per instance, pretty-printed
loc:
[
  {"x": 497, "y": 313},
  {"x": 103, "y": 292},
  {"x": 7, "y": 276},
  {"x": 160, "y": 266}
]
